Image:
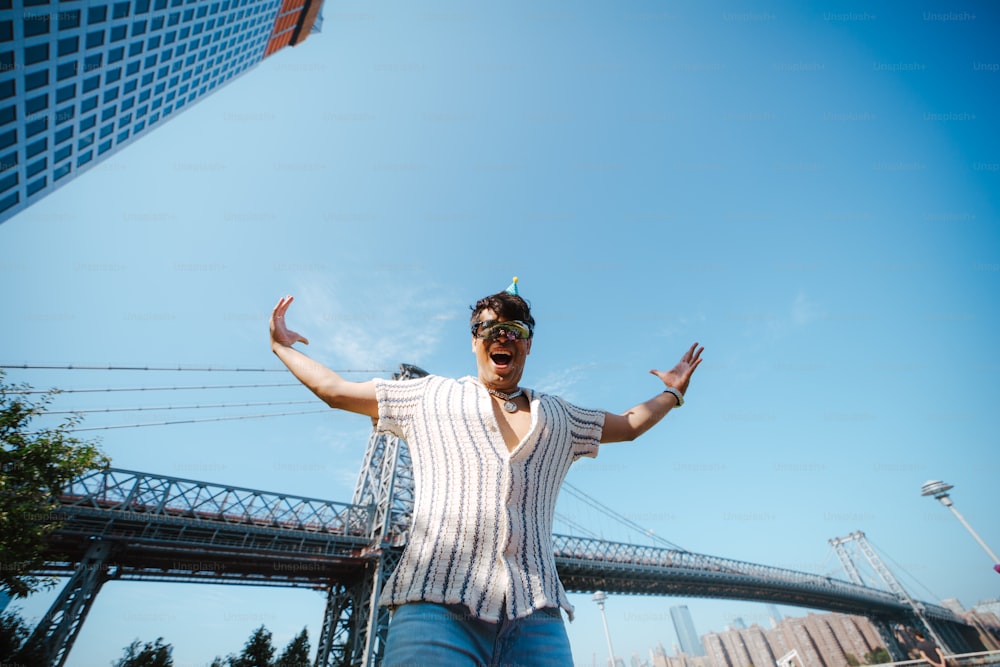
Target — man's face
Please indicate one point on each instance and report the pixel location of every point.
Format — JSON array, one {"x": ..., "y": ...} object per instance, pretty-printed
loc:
[{"x": 500, "y": 361}]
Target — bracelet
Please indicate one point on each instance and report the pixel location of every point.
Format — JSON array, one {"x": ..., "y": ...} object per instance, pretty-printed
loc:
[{"x": 677, "y": 394}]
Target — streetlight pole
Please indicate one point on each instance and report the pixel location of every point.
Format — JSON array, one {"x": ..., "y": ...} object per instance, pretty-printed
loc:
[
  {"x": 940, "y": 490},
  {"x": 599, "y": 598}
]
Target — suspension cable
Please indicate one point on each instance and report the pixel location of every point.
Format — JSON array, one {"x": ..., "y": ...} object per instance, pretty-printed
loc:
[
  {"x": 196, "y": 421},
  {"x": 933, "y": 595},
  {"x": 84, "y": 367},
  {"x": 576, "y": 526},
  {"x": 107, "y": 389},
  {"x": 607, "y": 511},
  {"x": 177, "y": 407}
]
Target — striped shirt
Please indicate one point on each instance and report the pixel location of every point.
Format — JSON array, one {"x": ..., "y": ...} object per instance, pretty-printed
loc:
[{"x": 481, "y": 532}]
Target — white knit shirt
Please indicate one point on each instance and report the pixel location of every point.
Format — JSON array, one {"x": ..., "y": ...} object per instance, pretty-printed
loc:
[{"x": 481, "y": 533}]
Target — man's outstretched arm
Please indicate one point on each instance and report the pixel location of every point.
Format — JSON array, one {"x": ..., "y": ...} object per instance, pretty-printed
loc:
[
  {"x": 634, "y": 422},
  {"x": 329, "y": 386}
]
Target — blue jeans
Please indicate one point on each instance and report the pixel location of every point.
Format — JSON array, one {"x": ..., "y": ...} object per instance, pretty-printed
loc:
[{"x": 424, "y": 634}]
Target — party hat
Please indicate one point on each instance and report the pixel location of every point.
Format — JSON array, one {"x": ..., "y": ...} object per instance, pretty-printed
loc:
[{"x": 512, "y": 289}]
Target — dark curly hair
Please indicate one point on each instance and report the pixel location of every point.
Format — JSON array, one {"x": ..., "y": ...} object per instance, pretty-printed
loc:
[{"x": 507, "y": 306}]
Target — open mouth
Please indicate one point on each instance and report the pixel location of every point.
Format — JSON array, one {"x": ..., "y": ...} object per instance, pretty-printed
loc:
[{"x": 501, "y": 357}]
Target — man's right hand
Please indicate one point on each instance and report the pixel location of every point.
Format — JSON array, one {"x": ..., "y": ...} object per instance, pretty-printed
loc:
[
  {"x": 327, "y": 384},
  {"x": 280, "y": 333}
]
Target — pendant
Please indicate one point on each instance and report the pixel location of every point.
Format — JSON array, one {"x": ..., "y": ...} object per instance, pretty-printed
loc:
[{"x": 510, "y": 406}]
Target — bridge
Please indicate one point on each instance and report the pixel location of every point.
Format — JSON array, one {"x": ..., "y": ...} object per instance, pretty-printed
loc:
[{"x": 127, "y": 525}]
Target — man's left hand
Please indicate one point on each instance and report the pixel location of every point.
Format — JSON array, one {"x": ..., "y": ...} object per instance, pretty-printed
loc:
[{"x": 679, "y": 376}]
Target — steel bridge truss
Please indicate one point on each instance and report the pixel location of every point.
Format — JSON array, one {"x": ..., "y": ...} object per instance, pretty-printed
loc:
[
  {"x": 587, "y": 565},
  {"x": 149, "y": 495},
  {"x": 919, "y": 609},
  {"x": 122, "y": 524}
]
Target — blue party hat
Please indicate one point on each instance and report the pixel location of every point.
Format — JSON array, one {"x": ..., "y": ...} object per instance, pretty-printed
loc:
[{"x": 512, "y": 289}]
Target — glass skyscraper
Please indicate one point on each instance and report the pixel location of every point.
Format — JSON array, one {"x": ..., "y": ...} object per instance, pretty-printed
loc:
[
  {"x": 684, "y": 628},
  {"x": 80, "y": 79}
]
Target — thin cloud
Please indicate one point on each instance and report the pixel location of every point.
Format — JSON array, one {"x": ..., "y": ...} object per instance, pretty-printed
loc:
[
  {"x": 798, "y": 316},
  {"x": 804, "y": 311},
  {"x": 682, "y": 324},
  {"x": 565, "y": 381},
  {"x": 368, "y": 326}
]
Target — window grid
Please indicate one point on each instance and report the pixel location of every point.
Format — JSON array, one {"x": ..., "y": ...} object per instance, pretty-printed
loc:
[{"x": 80, "y": 82}]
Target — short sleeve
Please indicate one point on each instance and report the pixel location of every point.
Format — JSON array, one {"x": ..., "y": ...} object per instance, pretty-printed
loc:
[
  {"x": 398, "y": 404},
  {"x": 585, "y": 428}
]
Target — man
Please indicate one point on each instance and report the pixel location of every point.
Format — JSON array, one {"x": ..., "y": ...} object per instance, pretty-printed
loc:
[
  {"x": 477, "y": 582},
  {"x": 928, "y": 650}
]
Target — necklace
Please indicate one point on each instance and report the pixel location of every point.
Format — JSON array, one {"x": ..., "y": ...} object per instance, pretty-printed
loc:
[{"x": 508, "y": 399}]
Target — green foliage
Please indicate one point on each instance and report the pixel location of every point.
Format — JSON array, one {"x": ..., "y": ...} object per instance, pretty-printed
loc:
[
  {"x": 296, "y": 654},
  {"x": 257, "y": 652},
  {"x": 878, "y": 656},
  {"x": 34, "y": 466},
  {"x": 156, "y": 654},
  {"x": 13, "y": 632},
  {"x": 14, "y": 649},
  {"x": 852, "y": 661}
]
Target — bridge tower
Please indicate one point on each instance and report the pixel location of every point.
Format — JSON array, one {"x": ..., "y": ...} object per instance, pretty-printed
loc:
[
  {"x": 56, "y": 632},
  {"x": 890, "y": 580},
  {"x": 354, "y": 626}
]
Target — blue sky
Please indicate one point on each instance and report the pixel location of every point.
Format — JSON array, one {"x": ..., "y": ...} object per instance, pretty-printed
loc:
[{"x": 808, "y": 189}]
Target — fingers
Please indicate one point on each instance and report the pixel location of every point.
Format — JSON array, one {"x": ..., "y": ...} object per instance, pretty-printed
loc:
[
  {"x": 279, "y": 331},
  {"x": 681, "y": 373},
  {"x": 692, "y": 357},
  {"x": 694, "y": 353},
  {"x": 282, "y": 305},
  {"x": 278, "y": 314}
]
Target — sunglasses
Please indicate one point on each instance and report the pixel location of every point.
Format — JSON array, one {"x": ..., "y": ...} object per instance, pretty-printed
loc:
[{"x": 493, "y": 330}]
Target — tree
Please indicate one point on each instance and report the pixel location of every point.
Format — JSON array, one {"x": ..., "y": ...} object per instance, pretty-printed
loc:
[
  {"x": 257, "y": 652},
  {"x": 14, "y": 649},
  {"x": 34, "y": 467},
  {"x": 156, "y": 654},
  {"x": 13, "y": 632},
  {"x": 296, "y": 654}
]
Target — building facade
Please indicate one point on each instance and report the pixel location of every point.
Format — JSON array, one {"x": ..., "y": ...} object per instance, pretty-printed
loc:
[
  {"x": 823, "y": 640},
  {"x": 81, "y": 79},
  {"x": 659, "y": 658},
  {"x": 684, "y": 628}
]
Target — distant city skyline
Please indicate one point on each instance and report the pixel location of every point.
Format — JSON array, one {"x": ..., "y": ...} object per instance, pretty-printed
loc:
[{"x": 829, "y": 639}]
